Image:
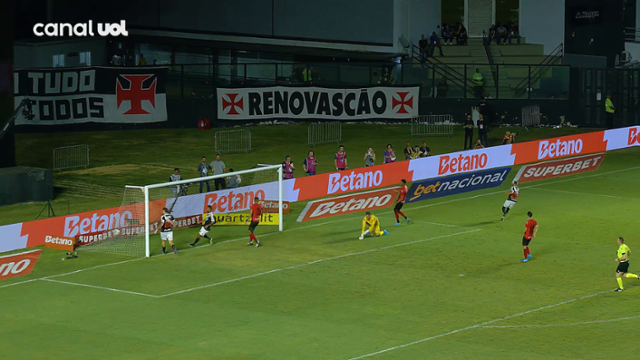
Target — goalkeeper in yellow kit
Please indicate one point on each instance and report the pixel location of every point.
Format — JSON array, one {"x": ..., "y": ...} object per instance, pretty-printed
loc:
[{"x": 373, "y": 224}]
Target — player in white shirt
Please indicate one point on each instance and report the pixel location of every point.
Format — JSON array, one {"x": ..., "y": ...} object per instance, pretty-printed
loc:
[
  {"x": 209, "y": 220},
  {"x": 511, "y": 199},
  {"x": 166, "y": 233}
]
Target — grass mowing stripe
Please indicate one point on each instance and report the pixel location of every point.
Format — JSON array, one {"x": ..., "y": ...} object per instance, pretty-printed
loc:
[
  {"x": 480, "y": 325},
  {"x": 315, "y": 262},
  {"x": 590, "y": 194},
  {"x": 100, "y": 287}
]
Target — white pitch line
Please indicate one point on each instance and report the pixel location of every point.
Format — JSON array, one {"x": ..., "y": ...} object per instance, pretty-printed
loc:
[
  {"x": 315, "y": 262},
  {"x": 100, "y": 287},
  {"x": 477, "y": 325},
  {"x": 555, "y": 325},
  {"x": 590, "y": 194},
  {"x": 440, "y": 224}
]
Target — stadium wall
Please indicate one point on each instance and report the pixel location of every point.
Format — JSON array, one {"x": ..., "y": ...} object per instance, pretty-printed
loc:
[
  {"x": 542, "y": 22},
  {"x": 33, "y": 233}
]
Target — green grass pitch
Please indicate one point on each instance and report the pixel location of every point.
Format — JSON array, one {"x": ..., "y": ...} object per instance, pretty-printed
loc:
[{"x": 448, "y": 286}]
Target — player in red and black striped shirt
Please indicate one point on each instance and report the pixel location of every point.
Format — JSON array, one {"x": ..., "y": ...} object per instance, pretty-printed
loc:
[
  {"x": 530, "y": 231},
  {"x": 400, "y": 202}
]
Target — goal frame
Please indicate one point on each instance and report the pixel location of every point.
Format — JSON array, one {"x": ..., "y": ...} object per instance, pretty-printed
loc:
[{"x": 146, "y": 189}]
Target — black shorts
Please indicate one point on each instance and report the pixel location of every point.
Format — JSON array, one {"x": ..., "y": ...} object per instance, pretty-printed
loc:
[
  {"x": 525, "y": 241},
  {"x": 623, "y": 267},
  {"x": 398, "y": 206},
  {"x": 253, "y": 225},
  {"x": 341, "y": 169}
]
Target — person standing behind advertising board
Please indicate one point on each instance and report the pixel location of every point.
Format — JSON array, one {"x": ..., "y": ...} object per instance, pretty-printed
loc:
[
  {"x": 425, "y": 150},
  {"x": 389, "y": 154},
  {"x": 482, "y": 130},
  {"x": 310, "y": 163},
  {"x": 287, "y": 167},
  {"x": 369, "y": 158},
  {"x": 233, "y": 181},
  {"x": 203, "y": 170},
  {"x": 468, "y": 132},
  {"x": 341, "y": 159},
  {"x": 218, "y": 169}
]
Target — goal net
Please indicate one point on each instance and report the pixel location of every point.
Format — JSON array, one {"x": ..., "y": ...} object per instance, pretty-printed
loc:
[{"x": 187, "y": 201}]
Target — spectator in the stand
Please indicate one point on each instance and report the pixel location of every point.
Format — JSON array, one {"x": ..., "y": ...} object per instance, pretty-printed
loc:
[
  {"x": 142, "y": 61},
  {"x": 479, "y": 83},
  {"x": 369, "y": 158},
  {"x": 233, "y": 181},
  {"x": 203, "y": 170},
  {"x": 423, "y": 44},
  {"x": 514, "y": 33},
  {"x": 416, "y": 152},
  {"x": 408, "y": 152},
  {"x": 287, "y": 168},
  {"x": 218, "y": 169},
  {"x": 468, "y": 132},
  {"x": 482, "y": 130},
  {"x": 175, "y": 189},
  {"x": 340, "y": 159},
  {"x": 433, "y": 43},
  {"x": 389, "y": 154},
  {"x": 462, "y": 36},
  {"x": 443, "y": 88},
  {"x": 492, "y": 33},
  {"x": 425, "y": 150},
  {"x": 478, "y": 145},
  {"x": 387, "y": 77},
  {"x": 501, "y": 35},
  {"x": 310, "y": 163},
  {"x": 446, "y": 35}
]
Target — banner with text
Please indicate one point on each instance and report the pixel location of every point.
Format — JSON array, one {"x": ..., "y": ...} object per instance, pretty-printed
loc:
[
  {"x": 18, "y": 264},
  {"x": 92, "y": 94},
  {"x": 557, "y": 168},
  {"x": 283, "y": 102},
  {"x": 348, "y": 204},
  {"x": 457, "y": 184}
]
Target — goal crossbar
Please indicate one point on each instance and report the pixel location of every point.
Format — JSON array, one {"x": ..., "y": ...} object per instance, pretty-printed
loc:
[{"x": 146, "y": 189}]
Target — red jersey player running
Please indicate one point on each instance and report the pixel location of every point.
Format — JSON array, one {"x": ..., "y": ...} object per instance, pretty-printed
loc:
[
  {"x": 530, "y": 231},
  {"x": 256, "y": 211},
  {"x": 400, "y": 202}
]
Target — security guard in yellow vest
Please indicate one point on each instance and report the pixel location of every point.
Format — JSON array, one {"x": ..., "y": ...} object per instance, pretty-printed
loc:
[
  {"x": 610, "y": 111},
  {"x": 478, "y": 81},
  {"x": 306, "y": 73}
]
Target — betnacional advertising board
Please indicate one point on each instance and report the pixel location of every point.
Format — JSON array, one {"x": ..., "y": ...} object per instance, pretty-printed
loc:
[{"x": 335, "y": 184}]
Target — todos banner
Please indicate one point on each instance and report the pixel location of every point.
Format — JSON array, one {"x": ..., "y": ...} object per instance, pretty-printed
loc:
[
  {"x": 283, "y": 102},
  {"x": 348, "y": 204},
  {"x": 458, "y": 184},
  {"x": 558, "y": 168},
  {"x": 92, "y": 94},
  {"x": 18, "y": 264}
]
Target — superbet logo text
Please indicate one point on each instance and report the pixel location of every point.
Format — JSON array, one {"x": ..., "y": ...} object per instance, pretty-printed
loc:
[
  {"x": 550, "y": 150},
  {"x": 353, "y": 181},
  {"x": 452, "y": 165},
  {"x": 634, "y": 139}
]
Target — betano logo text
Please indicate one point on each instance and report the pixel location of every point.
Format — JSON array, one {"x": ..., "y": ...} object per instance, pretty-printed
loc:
[
  {"x": 634, "y": 139},
  {"x": 559, "y": 148},
  {"x": 461, "y": 163},
  {"x": 81, "y": 29},
  {"x": 353, "y": 181}
]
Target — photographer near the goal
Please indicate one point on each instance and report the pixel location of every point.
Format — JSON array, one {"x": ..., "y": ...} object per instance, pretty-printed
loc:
[{"x": 508, "y": 138}]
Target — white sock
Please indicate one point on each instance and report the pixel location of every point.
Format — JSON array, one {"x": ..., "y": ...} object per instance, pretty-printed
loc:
[{"x": 365, "y": 233}]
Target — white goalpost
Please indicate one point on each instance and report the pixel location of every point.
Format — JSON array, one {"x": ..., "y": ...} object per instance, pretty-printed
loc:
[{"x": 142, "y": 206}]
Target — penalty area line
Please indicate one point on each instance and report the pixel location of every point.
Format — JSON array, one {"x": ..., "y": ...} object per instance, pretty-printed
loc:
[
  {"x": 100, "y": 287},
  {"x": 476, "y": 326},
  {"x": 556, "y": 325},
  {"x": 315, "y": 262}
]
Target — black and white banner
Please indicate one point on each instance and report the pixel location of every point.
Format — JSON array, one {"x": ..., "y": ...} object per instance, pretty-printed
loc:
[
  {"x": 282, "y": 102},
  {"x": 92, "y": 94}
]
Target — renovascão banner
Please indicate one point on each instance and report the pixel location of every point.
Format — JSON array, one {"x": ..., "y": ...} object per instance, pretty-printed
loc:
[
  {"x": 288, "y": 102},
  {"x": 92, "y": 94}
]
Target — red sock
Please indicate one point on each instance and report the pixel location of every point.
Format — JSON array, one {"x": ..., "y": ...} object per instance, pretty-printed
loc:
[
  {"x": 253, "y": 237},
  {"x": 395, "y": 212},
  {"x": 528, "y": 251},
  {"x": 525, "y": 252},
  {"x": 400, "y": 212}
]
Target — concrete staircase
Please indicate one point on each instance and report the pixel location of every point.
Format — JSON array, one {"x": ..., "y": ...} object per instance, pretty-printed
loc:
[{"x": 512, "y": 65}]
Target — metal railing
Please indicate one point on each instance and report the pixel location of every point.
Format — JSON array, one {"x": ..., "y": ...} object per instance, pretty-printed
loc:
[
  {"x": 233, "y": 140},
  {"x": 432, "y": 125},
  {"x": 554, "y": 57},
  {"x": 320, "y": 133},
  {"x": 530, "y": 116},
  {"x": 443, "y": 70},
  {"x": 486, "y": 43},
  {"x": 68, "y": 157}
]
